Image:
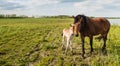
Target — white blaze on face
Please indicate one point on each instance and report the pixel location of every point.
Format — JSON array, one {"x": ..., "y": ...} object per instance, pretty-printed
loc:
[{"x": 76, "y": 28}]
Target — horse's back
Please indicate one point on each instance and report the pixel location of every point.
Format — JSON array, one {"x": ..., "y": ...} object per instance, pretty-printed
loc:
[
  {"x": 100, "y": 25},
  {"x": 100, "y": 20},
  {"x": 103, "y": 22}
]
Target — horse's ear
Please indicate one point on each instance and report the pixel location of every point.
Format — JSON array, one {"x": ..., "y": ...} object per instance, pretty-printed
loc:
[{"x": 73, "y": 16}]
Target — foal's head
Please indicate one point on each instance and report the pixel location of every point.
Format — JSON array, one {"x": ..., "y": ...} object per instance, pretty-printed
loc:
[{"x": 71, "y": 29}]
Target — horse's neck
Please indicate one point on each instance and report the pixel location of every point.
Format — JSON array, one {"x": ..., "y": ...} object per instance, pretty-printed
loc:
[{"x": 90, "y": 24}]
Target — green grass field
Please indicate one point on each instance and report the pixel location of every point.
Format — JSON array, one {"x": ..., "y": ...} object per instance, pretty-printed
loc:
[{"x": 37, "y": 42}]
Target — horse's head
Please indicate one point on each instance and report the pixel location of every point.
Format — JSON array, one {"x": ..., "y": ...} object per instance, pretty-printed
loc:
[
  {"x": 79, "y": 18},
  {"x": 79, "y": 23},
  {"x": 76, "y": 29}
]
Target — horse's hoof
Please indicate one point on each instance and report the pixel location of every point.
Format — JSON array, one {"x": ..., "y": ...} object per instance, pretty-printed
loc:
[
  {"x": 104, "y": 52},
  {"x": 91, "y": 52},
  {"x": 83, "y": 57},
  {"x": 72, "y": 53}
]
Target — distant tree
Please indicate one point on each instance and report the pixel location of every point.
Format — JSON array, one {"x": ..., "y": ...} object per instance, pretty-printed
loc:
[
  {"x": 2, "y": 16},
  {"x": 12, "y": 16},
  {"x": 92, "y": 17}
]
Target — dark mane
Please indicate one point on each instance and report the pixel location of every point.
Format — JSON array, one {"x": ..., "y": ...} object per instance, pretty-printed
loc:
[
  {"x": 84, "y": 26},
  {"x": 80, "y": 16}
]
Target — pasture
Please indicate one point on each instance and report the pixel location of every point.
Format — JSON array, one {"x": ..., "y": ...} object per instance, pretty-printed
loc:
[{"x": 37, "y": 42}]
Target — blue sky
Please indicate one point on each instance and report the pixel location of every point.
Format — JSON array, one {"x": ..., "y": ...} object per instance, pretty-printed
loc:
[{"x": 61, "y": 7}]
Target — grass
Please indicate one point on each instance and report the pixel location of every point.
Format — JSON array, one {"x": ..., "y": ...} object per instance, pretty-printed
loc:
[{"x": 38, "y": 42}]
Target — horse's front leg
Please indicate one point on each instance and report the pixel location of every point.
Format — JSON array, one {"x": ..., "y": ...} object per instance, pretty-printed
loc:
[
  {"x": 91, "y": 41},
  {"x": 83, "y": 50}
]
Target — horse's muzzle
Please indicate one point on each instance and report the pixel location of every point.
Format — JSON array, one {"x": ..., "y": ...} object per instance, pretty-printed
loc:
[
  {"x": 77, "y": 35},
  {"x": 72, "y": 34}
]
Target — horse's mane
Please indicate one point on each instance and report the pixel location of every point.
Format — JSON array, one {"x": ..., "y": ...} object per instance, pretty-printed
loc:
[
  {"x": 84, "y": 18},
  {"x": 84, "y": 25}
]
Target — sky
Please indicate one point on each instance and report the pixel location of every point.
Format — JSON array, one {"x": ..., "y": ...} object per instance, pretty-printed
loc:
[{"x": 102, "y": 8}]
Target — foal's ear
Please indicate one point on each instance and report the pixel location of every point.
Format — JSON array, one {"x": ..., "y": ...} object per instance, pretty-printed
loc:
[{"x": 71, "y": 25}]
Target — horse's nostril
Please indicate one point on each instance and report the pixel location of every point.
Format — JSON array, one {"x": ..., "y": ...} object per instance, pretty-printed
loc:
[
  {"x": 77, "y": 35},
  {"x": 72, "y": 34}
]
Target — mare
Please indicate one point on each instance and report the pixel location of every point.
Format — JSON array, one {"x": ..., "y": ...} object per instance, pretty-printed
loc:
[{"x": 90, "y": 27}]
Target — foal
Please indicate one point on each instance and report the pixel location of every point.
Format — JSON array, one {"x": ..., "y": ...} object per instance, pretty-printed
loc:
[{"x": 68, "y": 34}]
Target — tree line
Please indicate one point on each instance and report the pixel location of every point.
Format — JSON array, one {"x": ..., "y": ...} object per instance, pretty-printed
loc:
[
  {"x": 58, "y": 16},
  {"x": 12, "y": 16},
  {"x": 24, "y": 16}
]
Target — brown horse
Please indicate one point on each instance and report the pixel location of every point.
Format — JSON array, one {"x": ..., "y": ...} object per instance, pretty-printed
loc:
[{"x": 87, "y": 26}]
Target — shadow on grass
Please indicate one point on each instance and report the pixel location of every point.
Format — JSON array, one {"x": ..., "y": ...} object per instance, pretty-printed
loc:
[
  {"x": 44, "y": 40},
  {"x": 97, "y": 51},
  {"x": 84, "y": 64}
]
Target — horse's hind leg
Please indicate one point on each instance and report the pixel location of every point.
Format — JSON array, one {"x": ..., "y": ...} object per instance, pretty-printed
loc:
[{"x": 104, "y": 45}]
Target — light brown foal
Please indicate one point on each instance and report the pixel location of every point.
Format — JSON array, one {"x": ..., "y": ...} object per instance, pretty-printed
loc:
[{"x": 68, "y": 35}]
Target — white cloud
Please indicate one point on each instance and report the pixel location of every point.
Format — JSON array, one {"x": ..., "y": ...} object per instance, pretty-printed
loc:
[
  {"x": 86, "y": 6},
  {"x": 56, "y": 7},
  {"x": 30, "y": 7},
  {"x": 33, "y": 2},
  {"x": 92, "y": 5}
]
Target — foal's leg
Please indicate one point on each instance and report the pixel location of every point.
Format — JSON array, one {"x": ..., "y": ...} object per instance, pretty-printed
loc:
[
  {"x": 91, "y": 41},
  {"x": 71, "y": 45},
  {"x": 67, "y": 45},
  {"x": 63, "y": 41}
]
